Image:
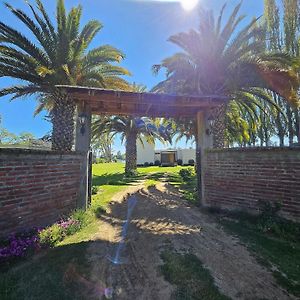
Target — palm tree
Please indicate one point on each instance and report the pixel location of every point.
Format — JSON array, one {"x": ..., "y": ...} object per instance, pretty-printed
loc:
[
  {"x": 57, "y": 55},
  {"x": 220, "y": 60},
  {"x": 131, "y": 130}
]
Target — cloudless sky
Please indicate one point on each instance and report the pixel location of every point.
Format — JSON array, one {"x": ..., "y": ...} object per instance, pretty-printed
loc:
[{"x": 140, "y": 28}]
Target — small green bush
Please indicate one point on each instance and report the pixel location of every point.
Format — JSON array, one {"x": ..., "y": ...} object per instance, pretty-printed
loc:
[
  {"x": 95, "y": 189},
  {"x": 51, "y": 235},
  {"x": 191, "y": 162},
  {"x": 157, "y": 163},
  {"x": 186, "y": 174},
  {"x": 100, "y": 160},
  {"x": 82, "y": 216},
  {"x": 179, "y": 162},
  {"x": 146, "y": 164},
  {"x": 269, "y": 221},
  {"x": 98, "y": 211},
  {"x": 191, "y": 196},
  {"x": 151, "y": 164}
]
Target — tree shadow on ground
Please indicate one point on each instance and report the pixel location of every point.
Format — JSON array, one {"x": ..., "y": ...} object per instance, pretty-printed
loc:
[
  {"x": 156, "y": 212},
  {"x": 114, "y": 179},
  {"x": 45, "y": 275},
  {"x": 121, "y": 179},
  {"x": 82, "y": 270}
]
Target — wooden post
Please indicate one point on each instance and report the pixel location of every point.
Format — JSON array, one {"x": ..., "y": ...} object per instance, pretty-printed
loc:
[
  {"x": 204, "y": 141},
  {"x": 82, "y": 144}
]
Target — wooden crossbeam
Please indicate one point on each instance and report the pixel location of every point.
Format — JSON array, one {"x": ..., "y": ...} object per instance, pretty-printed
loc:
[{"x": 112, "y": 102}]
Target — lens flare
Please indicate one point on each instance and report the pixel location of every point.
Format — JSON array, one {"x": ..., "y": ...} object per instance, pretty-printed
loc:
[
  {"x": 108, "y": 293},
  {"x": 116, "y": 258},
  {"x": 188, "y": 4}
]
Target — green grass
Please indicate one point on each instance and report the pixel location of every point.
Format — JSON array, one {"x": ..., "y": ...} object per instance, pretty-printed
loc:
[
  {"x": 43, "y": 277},
  {"x": 187, "y": 188},
  {"x": 111, "y": 179},
  {"x": 192, "y": 280},
  {"x": 280, "y": 254}
]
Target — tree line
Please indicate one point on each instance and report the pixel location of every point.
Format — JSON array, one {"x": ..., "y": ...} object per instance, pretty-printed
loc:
[{"x": 275, "y": 122}]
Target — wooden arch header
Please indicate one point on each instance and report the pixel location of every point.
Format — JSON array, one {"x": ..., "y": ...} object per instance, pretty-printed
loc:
[{"x": 111, "y": 102}]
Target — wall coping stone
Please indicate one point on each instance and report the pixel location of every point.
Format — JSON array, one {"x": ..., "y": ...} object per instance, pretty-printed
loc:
[
  {"x": 254, "y": 149},
  {"x": 26, "y": 151}
]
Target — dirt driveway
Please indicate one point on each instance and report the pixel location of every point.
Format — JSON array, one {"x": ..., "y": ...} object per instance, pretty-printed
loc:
[{"x": 160, "y": 220}]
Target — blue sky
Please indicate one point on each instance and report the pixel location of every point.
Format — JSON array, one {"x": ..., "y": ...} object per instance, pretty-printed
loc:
[{"x": 140, "y": 28}]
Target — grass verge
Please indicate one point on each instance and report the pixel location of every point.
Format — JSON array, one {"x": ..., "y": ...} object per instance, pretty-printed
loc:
[
  {"x": 44, "y": 276},
  {"x": 187, "y": 185},
  {"x": 279, "y": 253},
  {"x": 192, "y": 280}
]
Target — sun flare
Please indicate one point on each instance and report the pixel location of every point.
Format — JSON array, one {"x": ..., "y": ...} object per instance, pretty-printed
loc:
[{"x": 188, "y": 4}]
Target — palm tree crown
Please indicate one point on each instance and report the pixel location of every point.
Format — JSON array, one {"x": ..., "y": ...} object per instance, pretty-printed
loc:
[
  {"x": 57, "y": 55},
  {"x": 223, "y": 60}
]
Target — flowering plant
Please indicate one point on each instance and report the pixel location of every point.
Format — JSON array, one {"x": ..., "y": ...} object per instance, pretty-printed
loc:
[
  {"x": 58, "y": 231},
  {"x": 18, "y": 245}
]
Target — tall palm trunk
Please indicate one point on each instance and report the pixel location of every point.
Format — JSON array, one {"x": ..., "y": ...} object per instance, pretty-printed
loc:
[
  {"x": 131, "y": 153},
  {"x": 62, "y": 117},
  {"x": 219, "y": 126}
]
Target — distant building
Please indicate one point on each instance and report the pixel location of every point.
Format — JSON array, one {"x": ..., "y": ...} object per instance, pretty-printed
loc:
[{"x": 147, "y": 154}]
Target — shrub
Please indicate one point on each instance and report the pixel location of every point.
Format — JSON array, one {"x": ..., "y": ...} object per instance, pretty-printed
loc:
[
  {"x": 157, "y": 163},
  {"x": 151, "y": 164},
  {"x": 100, "y": 160},
  {"x": 95, "y": 190},
  {"x": 269, "y": 221},
  {"x": 191, "y": 162},
  {"x": 82, "y": 216},
  {"x": 99, "y": 211},
  {"x": 191, "y": 196},
  {"x": 179, "y": 162},
  {"x": 146, "y": 164},
  {"x": 186, "y": 174},
  {"x": 51, "y": 235}
]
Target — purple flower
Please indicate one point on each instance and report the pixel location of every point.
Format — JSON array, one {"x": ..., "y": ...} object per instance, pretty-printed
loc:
[{"x": 18, "y": 246}]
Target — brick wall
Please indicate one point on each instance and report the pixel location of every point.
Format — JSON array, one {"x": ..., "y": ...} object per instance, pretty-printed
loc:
[
  {"x": 240, "y": 178},
  {"x": 36, "y": 187}
]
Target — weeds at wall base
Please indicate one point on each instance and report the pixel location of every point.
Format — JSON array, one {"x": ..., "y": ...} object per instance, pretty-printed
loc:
[{"x": 273, "y": 241}]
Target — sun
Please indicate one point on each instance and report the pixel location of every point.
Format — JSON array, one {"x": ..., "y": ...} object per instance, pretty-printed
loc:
[{"x": 188, "y": 4}]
